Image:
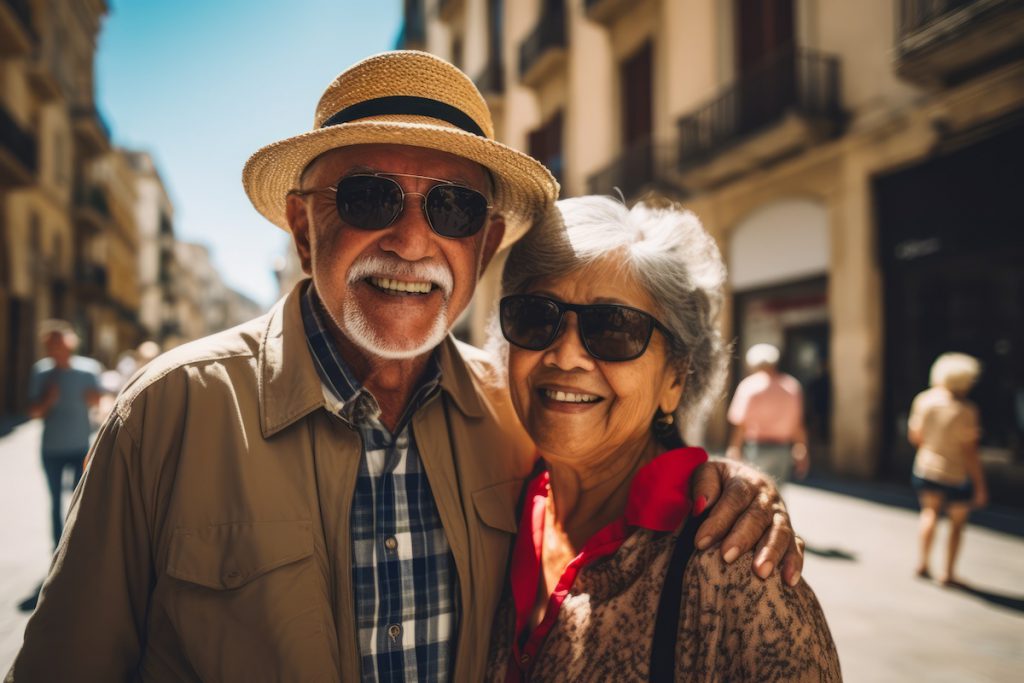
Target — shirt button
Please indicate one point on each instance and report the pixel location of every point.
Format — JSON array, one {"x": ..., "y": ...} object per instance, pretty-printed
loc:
[
  {"x": 394, "y": 631},
  {"x": 390, "y": 542}
]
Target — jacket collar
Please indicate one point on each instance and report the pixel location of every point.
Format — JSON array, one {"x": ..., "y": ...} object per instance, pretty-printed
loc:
[{"x": 290, "y": 388}]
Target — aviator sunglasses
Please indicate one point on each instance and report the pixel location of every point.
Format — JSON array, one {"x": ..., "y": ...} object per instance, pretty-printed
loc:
[
  {"x": 609, "y": 332},
  {"x": 373, "y": 201}
]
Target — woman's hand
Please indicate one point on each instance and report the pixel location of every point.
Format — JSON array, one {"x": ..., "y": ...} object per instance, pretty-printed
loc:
[{"x": 746, "y": 512}]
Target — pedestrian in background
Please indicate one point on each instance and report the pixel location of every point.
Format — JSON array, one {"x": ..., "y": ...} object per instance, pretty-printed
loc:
[
  {"x": 62, "y": 388},
  {"x": 947, "y": 473},
  {"x": 113, "y": 380},
  {"x": 767, "y": 414}
]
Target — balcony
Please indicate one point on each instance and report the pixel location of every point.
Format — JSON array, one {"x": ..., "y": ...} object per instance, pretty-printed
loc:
[
  {"x": 543, "y": 52},
  {"x": 16, "y": 34},
  {"x": 91, "y": 282},
  {"x": 605, "y": 11},
  {"x": 91, "y": 131},
  {"x": 91, "y": 210},
  {"x": 788, "y": 103},
  {"x": 946, "y": 41},
  {"x": 641, "y": 167},
  {"x": 18, "y": 153}
]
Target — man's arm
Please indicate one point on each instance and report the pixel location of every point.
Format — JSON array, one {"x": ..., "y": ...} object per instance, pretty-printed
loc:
[
  {"x": 747, "y": 513},
  {"x": 42, "y": 406},
  {"x": 801, "y": 458},
  {"x": 90, "y": 620}
]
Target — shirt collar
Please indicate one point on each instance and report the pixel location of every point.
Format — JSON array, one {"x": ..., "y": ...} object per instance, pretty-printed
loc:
[
  {"x": 289, "y": 386},
  {"x": 658, "y": 500},
  {"x": 659, "y": 497},
  {"x": 357, "y": 403}
]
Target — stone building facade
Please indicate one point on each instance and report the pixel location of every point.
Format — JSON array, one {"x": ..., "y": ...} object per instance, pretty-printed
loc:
[{"x": 856, "y": 162}]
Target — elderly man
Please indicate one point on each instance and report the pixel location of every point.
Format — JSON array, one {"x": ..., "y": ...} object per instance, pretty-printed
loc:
[
  {"x": 329, "y": 492},
  {"x": 767, "y": 414}
]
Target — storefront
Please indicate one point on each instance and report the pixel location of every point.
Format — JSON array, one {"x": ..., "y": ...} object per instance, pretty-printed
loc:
[
  {"x": 951, "y": 241},
  {"x": 778, "y": 260}
]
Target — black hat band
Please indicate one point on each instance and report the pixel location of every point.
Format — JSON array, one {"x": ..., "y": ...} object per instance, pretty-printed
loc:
[{"x": 409, "y": 106}]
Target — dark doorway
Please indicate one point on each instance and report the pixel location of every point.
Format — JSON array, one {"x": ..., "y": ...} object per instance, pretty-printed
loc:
[
  {"x": 793, "y": 316},
  {"x": 806, "y": 356},
  {"x": 21, "y": 349},
  {"x": 766, "y": 61},
  {"x": 637, "y": 87},
  {"x": 763, "y": 28},
  {"x": 951, "y": 246},
  {"x": 545, "y": 144}
]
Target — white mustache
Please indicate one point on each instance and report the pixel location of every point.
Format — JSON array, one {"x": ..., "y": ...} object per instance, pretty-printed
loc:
[{"x": 397, "y": 269}]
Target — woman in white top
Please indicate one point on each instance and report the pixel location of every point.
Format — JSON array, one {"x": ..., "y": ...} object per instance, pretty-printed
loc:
[{"x": 947, "y": 470}]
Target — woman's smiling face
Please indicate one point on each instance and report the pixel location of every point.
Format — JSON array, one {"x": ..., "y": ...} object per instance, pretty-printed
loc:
[{"x": 580, "y": 410}]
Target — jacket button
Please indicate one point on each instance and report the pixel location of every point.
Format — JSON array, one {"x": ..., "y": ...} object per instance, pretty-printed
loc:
[
  {"x": 394, "y": 631},
  {"x": 390, "y": 542}
]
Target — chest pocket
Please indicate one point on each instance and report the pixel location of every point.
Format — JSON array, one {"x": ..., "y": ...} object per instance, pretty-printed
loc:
[
  {"x": 248, "y": 603},
  {"x": 229, "y": 556},
  {"x": 496, "y": 505}
]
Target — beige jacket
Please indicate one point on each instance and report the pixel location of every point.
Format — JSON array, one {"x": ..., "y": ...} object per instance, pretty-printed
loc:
[{"x": 209, "y": 538}]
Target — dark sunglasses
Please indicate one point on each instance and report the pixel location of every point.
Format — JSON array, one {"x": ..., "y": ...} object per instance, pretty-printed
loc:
[
  {"x": 609, "y": 332},
  {"x": 373, "y": 201}
]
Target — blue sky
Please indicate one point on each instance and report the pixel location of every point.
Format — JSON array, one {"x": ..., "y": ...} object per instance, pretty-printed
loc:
[{"x": 202, "y": 84}]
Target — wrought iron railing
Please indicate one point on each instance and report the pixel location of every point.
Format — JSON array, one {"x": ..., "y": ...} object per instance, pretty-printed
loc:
[
  {"x": 916, "y": 14},
  {"x": 800, "y": 80},
  {"x": 92, "y": 197},
  {"x": 635, "y": 168},
  {"x": 547, "y": 34},
  {"x": 19, "y": 142}
]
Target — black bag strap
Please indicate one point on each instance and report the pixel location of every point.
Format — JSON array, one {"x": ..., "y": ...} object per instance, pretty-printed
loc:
[{"x": 666, "y": 625}]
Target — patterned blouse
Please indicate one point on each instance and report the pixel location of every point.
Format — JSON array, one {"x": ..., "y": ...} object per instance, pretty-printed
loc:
[{"x": 599, "y": 623}]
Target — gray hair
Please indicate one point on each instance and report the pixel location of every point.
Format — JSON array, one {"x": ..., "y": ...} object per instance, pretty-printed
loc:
[
  {"x": 671, "y": 256},
  {"x": 958, "y": 372},
  {"x": 762, "y": 356}
]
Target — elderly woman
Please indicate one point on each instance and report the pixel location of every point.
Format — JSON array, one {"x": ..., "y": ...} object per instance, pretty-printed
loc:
[
  {"x": 610, "y": 314},
  {"x": 947, "y": 472}
]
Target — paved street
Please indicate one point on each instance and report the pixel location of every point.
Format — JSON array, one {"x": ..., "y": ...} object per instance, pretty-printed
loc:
[{"x": 888, "y": 625}]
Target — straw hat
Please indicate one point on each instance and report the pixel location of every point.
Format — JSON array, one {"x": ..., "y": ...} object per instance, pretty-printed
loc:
[{"x": 412, "y": 98}]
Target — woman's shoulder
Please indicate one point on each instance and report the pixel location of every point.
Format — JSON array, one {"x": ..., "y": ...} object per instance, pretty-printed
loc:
[
  {"x": 750, "y": 628},
  {"x": 732, "y": 581}
]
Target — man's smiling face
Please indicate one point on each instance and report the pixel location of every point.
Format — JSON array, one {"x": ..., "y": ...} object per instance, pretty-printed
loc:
[{"x": 395, "y": 292}]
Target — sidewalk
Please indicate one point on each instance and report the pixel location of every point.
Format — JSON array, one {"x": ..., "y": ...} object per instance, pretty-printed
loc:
[
  {"x": 25, "y": 542},
  {"x": 891, "y": 626},
  {"x": 888, "y": 625}
]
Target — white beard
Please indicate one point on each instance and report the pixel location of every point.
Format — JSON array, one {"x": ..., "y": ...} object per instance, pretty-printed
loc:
[{"x": 357, "y": 328}]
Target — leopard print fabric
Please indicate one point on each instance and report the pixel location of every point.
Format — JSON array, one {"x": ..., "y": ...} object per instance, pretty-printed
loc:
[{"x": 733, "y": 626}]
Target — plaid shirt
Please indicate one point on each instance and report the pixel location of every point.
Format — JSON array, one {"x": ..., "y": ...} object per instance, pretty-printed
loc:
[{"x": 403, "y": 572}]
